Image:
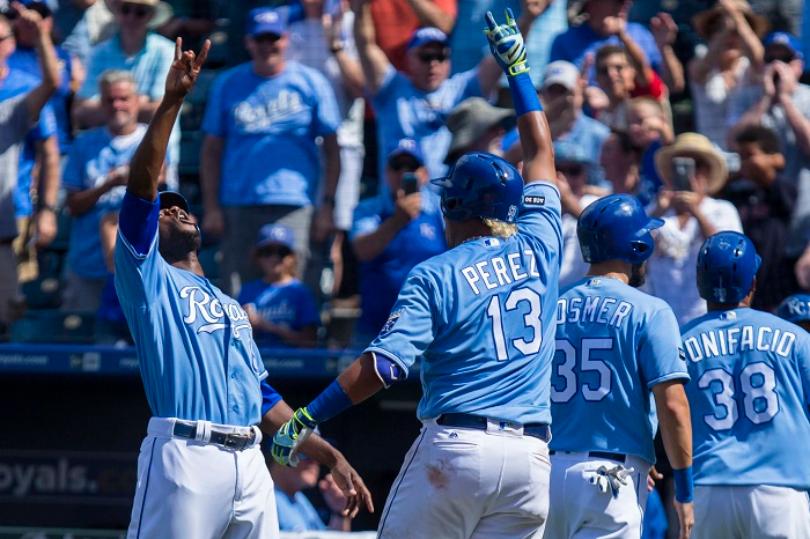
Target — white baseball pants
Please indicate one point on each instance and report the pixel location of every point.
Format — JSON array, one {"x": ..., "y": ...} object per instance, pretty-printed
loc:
[
  {"x": 197, "y": 490},
  {"x": 579, "y": 509},
  {"x": 755, "y": 512},
  {"x": 468, "y": 483}
]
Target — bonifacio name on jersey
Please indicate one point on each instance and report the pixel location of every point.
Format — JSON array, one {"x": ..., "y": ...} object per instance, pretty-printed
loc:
[
  {"x": 211, "y": 311},
  {"x": 730, "y": 341},
  {"x": 500, "y": 271}
]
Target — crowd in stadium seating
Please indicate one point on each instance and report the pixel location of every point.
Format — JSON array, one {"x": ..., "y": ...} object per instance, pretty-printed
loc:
[{"x": 308, "y": 145}]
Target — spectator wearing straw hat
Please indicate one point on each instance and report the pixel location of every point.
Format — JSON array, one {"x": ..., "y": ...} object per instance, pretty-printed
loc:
[
  {"x": 477, "y": 126},
  {"x": 690, "y": 215}
]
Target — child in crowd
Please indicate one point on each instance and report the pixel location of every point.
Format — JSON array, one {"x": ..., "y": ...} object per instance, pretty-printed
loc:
[
  {"x": 281, "y": 308},
  {"x": 649, "y": 130}
]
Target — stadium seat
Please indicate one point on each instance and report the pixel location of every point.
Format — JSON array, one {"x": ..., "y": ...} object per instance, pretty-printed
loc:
[
  {"x": 43, "y": 292},
  {"x": 49, "y": 326}
]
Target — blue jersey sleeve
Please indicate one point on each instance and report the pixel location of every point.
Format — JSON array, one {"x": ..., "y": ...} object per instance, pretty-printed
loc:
[
  {"x": 411, "y": 326},
  {"x": 541, "y": 214},
  {"x": 270, "y": 397},
  {"x": 139, "y": 268},
  {"x": 215, "y": 121},
  {"x": 366, "y": 218},
  {"x": 661, "y": 357}
]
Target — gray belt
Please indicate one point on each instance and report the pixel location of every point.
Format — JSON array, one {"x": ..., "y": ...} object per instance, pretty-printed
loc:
[{"x": 226, "y": 438}]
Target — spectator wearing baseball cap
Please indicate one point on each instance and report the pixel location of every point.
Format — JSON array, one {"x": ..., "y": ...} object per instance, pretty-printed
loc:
[
  {"x": 561, "y": 93},
  {"x": 796, "y": 309},
  {"x": 778, "y": 101},
  {"x": 261, "y": 161},
  {"x": 281, "y": 308},
  {"x": 392, "y": 233},
  {"x": 414, "y": 103},
  {"x": 477, "y": 126}
]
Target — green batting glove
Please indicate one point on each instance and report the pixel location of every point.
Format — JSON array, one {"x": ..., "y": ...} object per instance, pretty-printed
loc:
[
  {"x": 506, "y": 44},
  {"x": 290, "y": 436}
]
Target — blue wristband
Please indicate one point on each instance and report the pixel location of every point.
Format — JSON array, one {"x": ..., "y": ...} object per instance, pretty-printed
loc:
[
  {"x": 329, "y": 403},
  {"x": 684, "y": 485},
  {"x": 524, "y": 96}
]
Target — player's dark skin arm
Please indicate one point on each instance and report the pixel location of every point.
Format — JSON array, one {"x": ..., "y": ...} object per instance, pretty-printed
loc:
[
  {"x": 317, "y": 448},
  {"x": 146, "y": 165},
  {"x": 537, "y": 146}
]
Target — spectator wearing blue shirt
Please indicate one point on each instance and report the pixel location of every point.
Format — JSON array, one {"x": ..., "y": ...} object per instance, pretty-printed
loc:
[
  {"x": 260, "y": 159},
  {"x": 415, "y": 103},
  {"x": 94, "y": 178},
  {"x": 281, "y": 308},
  {"x": 603, "y": 22},
  {"x": 295, "y": 512},
  {"x": 392, "y": 233}
]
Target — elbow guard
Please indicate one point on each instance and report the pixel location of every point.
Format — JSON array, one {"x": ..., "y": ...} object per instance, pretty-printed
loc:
[{"x": 387, "y": 371}]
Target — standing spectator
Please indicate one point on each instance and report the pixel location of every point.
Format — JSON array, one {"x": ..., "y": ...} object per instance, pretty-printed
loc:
[
  {"x": 649, "y": 130},
  {"x": 665, "y": 32},
  {"x": 690, "y": 216},
  {"x": 621, "y": 162},
  {"x": 260, "y": 160},
  {"x": 552, "y": 19},
  {"x": 295, "y": 512},
  {"x": 395, "y": 21},
  {"x": 604, "y": 23},
  {"x": 765, "y": 200},
  {"x": 94, "y": 177},
  {"x": 17, "y": 115},
  {"x": 392, "y": 233},
  {"x": 477, "y": 126},
  {"x": 778, "y": 101},
  {"x": 134, "y": 48},
  {"x": 733, "y": 58},
  {"x": 280, "y": 308},
  {"x": 96, "y": 24},
  {"x": 414, "y": 103}
]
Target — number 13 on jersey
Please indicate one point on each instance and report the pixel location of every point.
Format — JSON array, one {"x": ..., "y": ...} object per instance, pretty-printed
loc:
[{"x": 523, "y": 300}]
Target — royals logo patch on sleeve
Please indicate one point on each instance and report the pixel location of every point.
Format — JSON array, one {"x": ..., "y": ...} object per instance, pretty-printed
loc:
[
  {"x": 534, "y": 200},
  {"x": 390, "y": 323}
]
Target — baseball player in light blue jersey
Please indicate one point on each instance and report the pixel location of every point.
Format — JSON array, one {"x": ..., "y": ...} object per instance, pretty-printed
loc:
[
  {"x": 481, "y": 317},
  {"x": 796, "y": 309},
  {"x": 749, "y": 397},
  {"x": 200, "y": 471},
  {"x": 615, "y": 346}
]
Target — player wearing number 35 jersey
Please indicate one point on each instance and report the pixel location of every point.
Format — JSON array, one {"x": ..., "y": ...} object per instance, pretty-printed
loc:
[
  {"x": 481, "y": 318},
  {"x": 615, "y": 345},
  {"x": 749, "y": 396}
]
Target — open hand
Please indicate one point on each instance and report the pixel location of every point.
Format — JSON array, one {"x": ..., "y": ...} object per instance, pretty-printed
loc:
[
  {"x": 27, "y": 19},
  {"x": 351, "y": 490},
  {"x": 185, "y": 68},
  {"x": 664, "y": 29}
]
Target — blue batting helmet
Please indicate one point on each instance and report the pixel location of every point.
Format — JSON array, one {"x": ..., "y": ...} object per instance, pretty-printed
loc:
[
  {"x": 481, "y": 185},
  {"x": 795, "y": 308},
  {"x": 616, "y": 227},
  {"x": 726, "y": 266}
]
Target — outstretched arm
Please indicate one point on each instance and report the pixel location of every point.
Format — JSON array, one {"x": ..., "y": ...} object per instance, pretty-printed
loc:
[
  {"x": 506, "y": 44},
  {"x": 373, "y": 60},
  {"x": 40, "y": 95},
  {"x": 144, "y": 170}
]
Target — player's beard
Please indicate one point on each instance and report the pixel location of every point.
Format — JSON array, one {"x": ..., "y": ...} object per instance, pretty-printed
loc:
[
  {"x": 176, "y": 244},
  {"x": 638, "y": 274}
]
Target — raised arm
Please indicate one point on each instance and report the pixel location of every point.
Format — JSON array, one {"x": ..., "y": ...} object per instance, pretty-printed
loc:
[
  {"x": 146, "y": 165},
  {"x": 506, "y": 44},
  {"x": 373, "y": 60},
  {"x": 36, "y": 98},
  {"x": 430, "y": 14}
]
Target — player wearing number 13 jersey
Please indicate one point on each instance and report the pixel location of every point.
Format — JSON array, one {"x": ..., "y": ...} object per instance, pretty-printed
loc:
[
  {"x": 749, "y": 397},
  {"x": 615, "y": 345}
]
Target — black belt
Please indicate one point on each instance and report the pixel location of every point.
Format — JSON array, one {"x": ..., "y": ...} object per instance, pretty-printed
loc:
[
  {"x": 621, "y": 457},
  {"x": 231, "y": 440},
  {"x": 469, "y": 421}
]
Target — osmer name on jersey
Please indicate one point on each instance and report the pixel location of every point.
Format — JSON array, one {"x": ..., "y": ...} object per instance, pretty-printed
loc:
[
  {"x": 730, "y": 341},
  {"x": 593, "y": 309},
  {"x": 211, "y": 312},
  {"x": 500, "y": 271}
]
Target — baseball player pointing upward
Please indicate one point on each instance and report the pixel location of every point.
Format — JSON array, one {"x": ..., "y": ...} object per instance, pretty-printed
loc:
[
  {"x": 481, "y": 316},
  {"x": 200, "y": 471}
]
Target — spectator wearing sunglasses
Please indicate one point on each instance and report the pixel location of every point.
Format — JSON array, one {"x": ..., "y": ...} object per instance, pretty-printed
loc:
[
  {"x": 261, "y": 161},
  {"x": 778, "y": 101},
  {"x": 392, "y": 233},
  {"x": 414, "y": 103},
  {"x": 281, "y": 308}
]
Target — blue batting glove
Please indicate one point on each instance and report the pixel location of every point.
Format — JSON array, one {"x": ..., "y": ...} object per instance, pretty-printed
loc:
[
  {"x": 290, "y": 436},
  {"x": 506, "y": 44}
]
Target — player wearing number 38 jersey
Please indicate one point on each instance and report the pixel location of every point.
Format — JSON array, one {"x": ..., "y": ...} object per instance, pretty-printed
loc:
[
  {"x": 749, "y": 396},
  {"x": 615, "y": 345}
]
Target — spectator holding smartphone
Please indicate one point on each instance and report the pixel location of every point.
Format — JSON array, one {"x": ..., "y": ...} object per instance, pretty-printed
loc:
[
  {"x": 392, "y": 233},
  {"x": 692, "y": 170}
]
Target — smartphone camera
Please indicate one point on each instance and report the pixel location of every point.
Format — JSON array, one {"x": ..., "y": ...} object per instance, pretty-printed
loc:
[
  {"x": 683, "y": 170},
  {"x": 410, "y": 183}
]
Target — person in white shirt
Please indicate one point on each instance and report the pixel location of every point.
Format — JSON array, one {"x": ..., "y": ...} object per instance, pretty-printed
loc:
[{"x": 690, "y": 216}]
